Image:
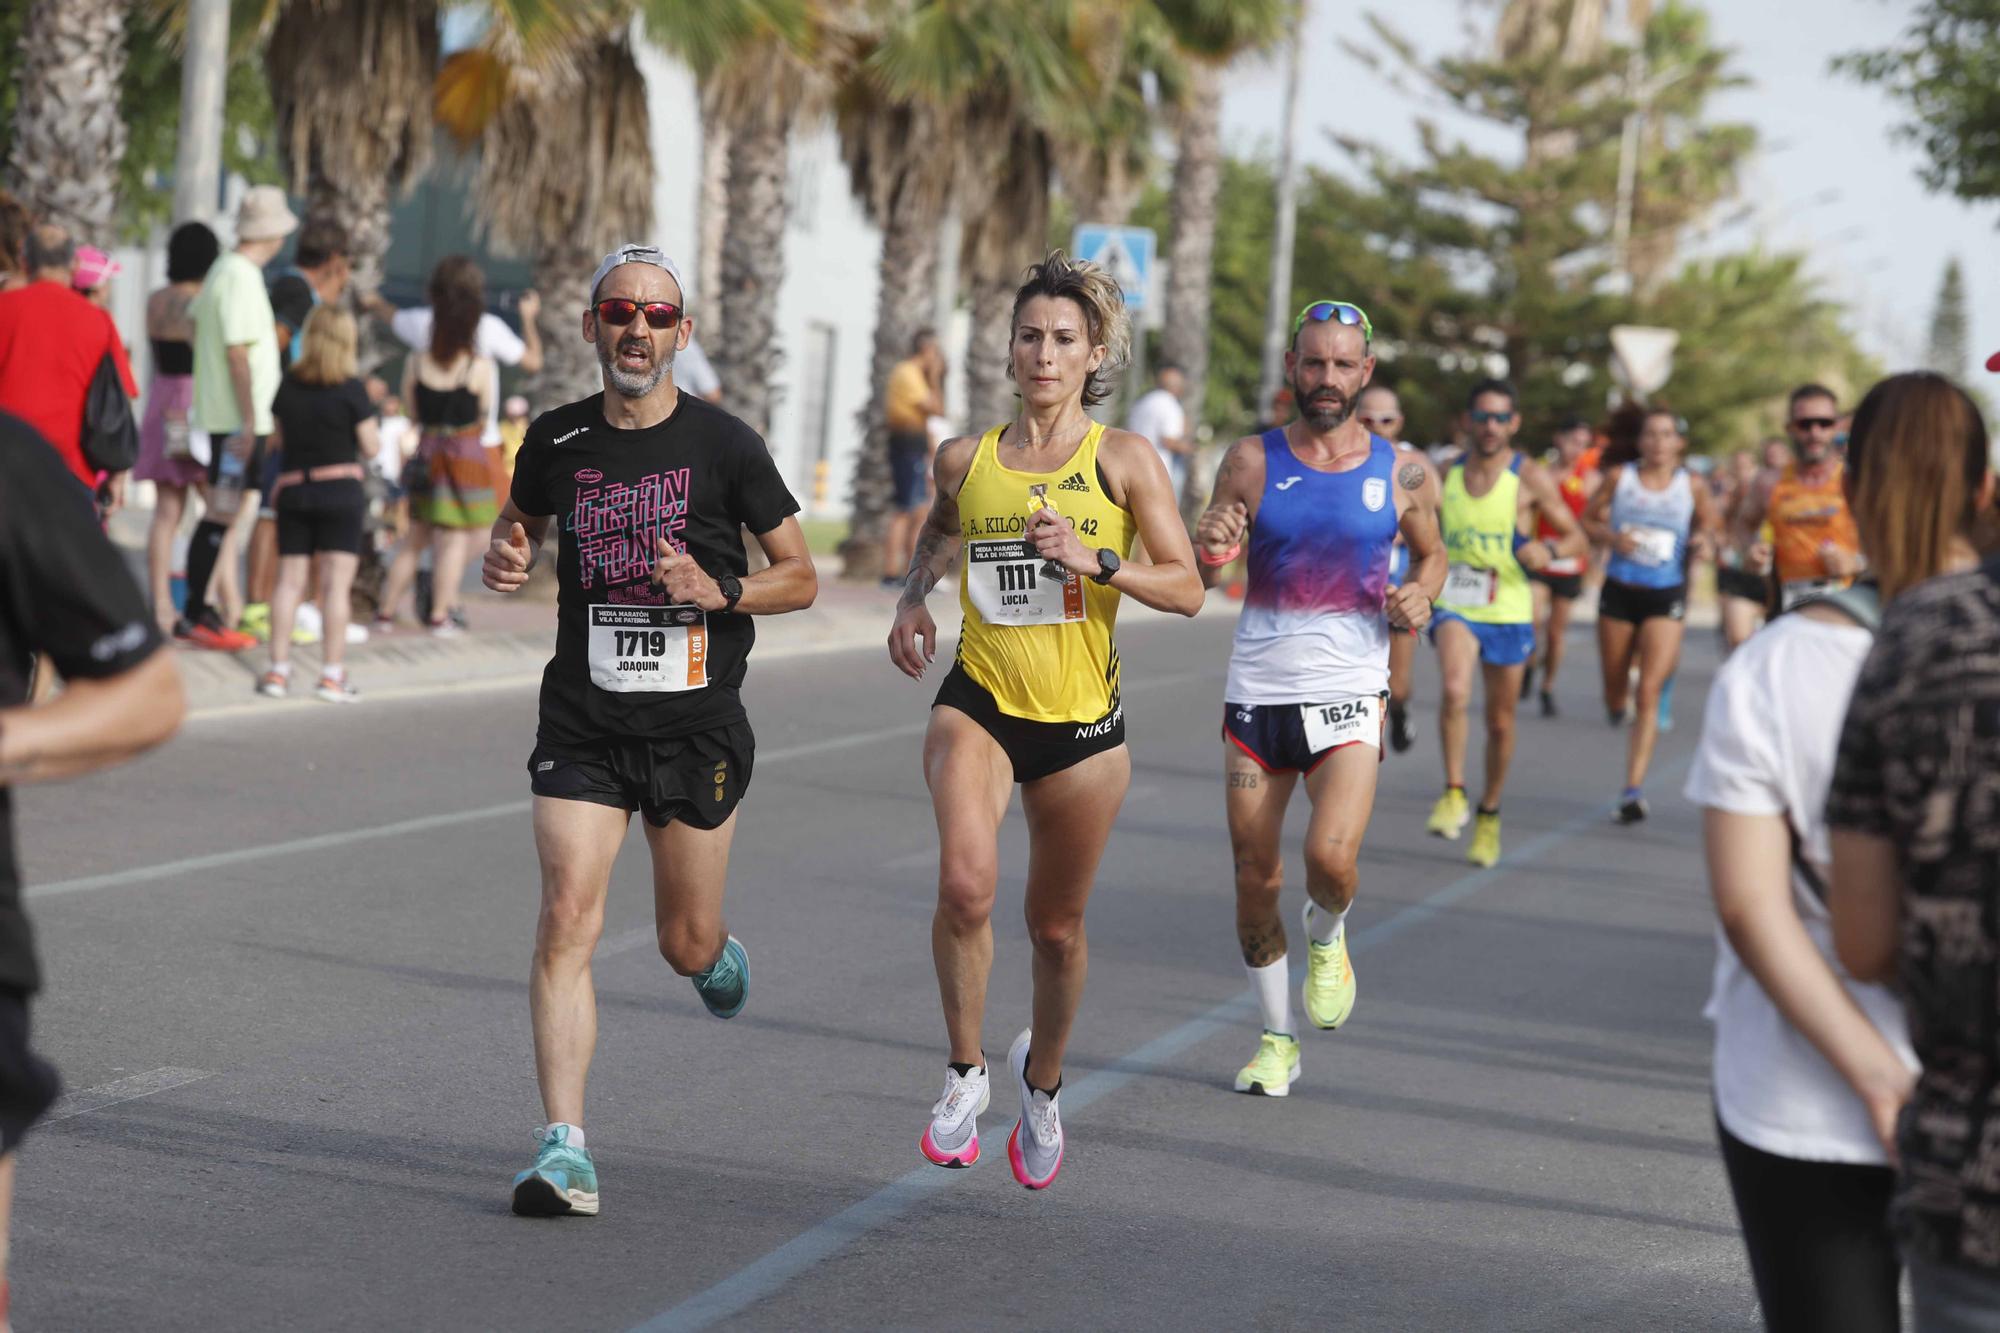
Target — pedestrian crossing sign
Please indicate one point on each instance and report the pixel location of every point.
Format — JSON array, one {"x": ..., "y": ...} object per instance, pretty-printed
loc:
[{"x": 1126, "y": 253}]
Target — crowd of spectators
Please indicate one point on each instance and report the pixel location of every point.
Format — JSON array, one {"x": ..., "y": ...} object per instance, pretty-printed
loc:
[{"x": 292, "y": 480}]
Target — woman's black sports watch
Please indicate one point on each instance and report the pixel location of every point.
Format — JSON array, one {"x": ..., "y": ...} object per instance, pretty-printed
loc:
[
  {"x": 731, "y": 588},
  {"x": 1108, "y": 564}
]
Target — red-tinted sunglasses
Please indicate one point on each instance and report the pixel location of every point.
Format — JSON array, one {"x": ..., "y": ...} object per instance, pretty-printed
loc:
[{"x": 618, "y": 312}]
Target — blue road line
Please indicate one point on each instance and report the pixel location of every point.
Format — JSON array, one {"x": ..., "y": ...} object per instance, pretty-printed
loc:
[{"x": 771, "y": 1274}]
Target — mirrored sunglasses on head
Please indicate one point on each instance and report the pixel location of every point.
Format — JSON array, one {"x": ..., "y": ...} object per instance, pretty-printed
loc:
[{"x": 1340, "y": 312}]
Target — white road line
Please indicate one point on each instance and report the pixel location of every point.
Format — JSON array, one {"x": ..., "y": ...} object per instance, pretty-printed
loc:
[
  {"x": 122, "y": 1090},
  {"x": 425, "y": 823}
]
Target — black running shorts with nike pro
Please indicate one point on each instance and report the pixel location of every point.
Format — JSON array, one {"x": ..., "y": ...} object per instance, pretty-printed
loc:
[
  {"x": 1035, "y": 749},
  {"x": 696, "y": 779}
]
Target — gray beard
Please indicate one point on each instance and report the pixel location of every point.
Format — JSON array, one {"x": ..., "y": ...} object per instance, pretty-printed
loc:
[
  {"x": 632, "y": 384},
  {"x": 1325, "y": 419}
]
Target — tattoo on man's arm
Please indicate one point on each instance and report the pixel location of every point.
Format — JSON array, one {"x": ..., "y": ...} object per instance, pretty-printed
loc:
[{"x": 1411, "y": 476}]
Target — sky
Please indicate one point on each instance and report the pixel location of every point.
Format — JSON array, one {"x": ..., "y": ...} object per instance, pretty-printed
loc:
[{"x": 1829, "y": 177}]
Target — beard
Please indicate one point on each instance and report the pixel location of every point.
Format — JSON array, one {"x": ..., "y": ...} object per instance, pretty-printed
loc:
[
  {"x": 628, "y": 382},
  {"x": 1325, "y": 409}
]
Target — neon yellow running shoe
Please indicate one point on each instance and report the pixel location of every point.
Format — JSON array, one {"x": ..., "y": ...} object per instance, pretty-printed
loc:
[
  {"x": 1328, "y": 993},
  {"x": 1277, "y": 1064},
  {"x": 256, "y": 621},
  {"x": 1448, "y": 816},
  {"x": 1485, "y": 849}
]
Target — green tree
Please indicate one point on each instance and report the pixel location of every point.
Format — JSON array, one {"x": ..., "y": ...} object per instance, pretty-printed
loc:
[
  {"x": 1950, "y": 332},
  {"x": 351, "y": 83},
  {"x": 908, "y": 111},
  {"x": 761, "y": 65},
  {"x": 1210, "y": 34},
  {"x": 1946, "y": 72}
]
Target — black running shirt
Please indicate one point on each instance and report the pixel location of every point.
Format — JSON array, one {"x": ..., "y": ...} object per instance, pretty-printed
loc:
[
  {"x": 627, "y": 664},
  {"x": 64, "y": 592}
]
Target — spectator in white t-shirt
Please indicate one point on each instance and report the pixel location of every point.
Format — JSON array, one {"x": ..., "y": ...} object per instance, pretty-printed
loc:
[
  {"x": 693, "y": 372},
  {"x": 494, "y": 339},
  {"x": 1159, "y": 416},
  {"x": 1811, "y": 1065}
]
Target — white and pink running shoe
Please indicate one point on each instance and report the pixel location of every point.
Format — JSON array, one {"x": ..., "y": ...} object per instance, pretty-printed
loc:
[
  {"x": 1035, "y": 1148},
  {"x": 952, "y": 1137}
]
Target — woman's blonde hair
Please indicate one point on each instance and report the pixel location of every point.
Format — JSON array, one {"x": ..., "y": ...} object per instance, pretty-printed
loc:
[
  {"x": 1916, "y": 463},
  {"x": 329, "y": 355},
  {"x": 1103, "y": 304}
]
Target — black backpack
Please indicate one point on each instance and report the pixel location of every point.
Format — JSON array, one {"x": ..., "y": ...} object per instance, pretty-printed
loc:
[{"x": 110, "y": 435}]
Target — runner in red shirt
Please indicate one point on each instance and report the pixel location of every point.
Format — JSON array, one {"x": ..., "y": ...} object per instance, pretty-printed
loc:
[{"x": 1558, "y": 584}]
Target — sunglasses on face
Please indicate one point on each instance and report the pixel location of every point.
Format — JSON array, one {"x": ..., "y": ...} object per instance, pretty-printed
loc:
[
  {"x": 1481, "y": 418},
  {"x": 618, "y": 312},
  {"x": 1340, "y": 312},
  {"x": 1815, "y": 423}
]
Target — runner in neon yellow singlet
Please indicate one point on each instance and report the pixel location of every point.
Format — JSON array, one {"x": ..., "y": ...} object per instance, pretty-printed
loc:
[
  {"x": 1485, "y": 617},
  {"x": 1045, "y": 508}
]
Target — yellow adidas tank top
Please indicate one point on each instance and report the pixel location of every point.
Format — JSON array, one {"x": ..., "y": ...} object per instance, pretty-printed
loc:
[{"x": 1040, "y": 645}]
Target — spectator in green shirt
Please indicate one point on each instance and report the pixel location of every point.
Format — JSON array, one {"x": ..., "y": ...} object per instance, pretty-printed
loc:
[{"x": 235, "y": 379}]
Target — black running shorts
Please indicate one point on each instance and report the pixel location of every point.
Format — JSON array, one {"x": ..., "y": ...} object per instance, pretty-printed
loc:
[
  {"x": 696, "y": 779},
  {"x": 28, "y": 1083},
  {"x": 1036, "y": 749},
  {"x": 1636, "y": 605},
  {"x": 1743, "y": 583},
  {"x": 1569, "y": 587}
]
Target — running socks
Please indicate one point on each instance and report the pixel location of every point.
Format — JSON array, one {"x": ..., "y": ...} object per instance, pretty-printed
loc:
[
  {"x": 1324, "y": 926},
  {"x": 575, "y": 1139},
  {"x": 1271, "y": 984},
  {"x": 204, "y": 549},
  {"x": 962, "y": 1069}
]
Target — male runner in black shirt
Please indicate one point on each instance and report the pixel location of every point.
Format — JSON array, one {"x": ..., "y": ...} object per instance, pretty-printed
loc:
[
  {"x": 64, "y": 592},
  {"x": 639, "y": 706}
]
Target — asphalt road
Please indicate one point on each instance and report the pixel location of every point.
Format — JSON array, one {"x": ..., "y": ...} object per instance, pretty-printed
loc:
[{"x": 301, "y": 1078}]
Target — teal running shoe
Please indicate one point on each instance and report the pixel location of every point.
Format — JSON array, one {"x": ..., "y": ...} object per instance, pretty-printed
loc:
[
  {"x": 562, "y": 1180},
  {"x": 726, "y": 984}
]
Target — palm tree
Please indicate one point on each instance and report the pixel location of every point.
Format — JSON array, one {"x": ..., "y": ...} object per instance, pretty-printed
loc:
[
  {"x": 1210, "y": 33},
  {"x": 918, "y": 94},
  {"x": 760, "y": 64},
  {"x": 69, "y": 136},
  {"x": 565, "y": 173},
  {"x": 351, "y": 83}
]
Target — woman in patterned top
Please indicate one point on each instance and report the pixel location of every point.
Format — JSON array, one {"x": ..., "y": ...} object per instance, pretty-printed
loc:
[{"x": 1915, "y": 814}]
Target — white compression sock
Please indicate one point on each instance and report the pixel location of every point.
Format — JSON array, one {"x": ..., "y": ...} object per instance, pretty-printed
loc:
[
  {"x": 1272, "y": 984},
  {"x": 1325, "y": 925}
]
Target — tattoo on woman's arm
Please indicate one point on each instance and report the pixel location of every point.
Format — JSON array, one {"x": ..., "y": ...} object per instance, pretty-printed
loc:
[{"x": 1411, "y": 476}]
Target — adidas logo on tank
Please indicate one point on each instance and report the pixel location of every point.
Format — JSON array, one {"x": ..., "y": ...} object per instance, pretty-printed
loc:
[{"x": 1073, "y": 482}]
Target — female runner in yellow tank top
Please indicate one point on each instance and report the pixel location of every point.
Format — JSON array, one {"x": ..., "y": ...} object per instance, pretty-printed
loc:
[{"x": 1045, "y": 507}]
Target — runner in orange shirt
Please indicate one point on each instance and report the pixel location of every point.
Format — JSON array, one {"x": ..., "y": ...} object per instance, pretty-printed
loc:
[{"x": 1813, "y": 545}]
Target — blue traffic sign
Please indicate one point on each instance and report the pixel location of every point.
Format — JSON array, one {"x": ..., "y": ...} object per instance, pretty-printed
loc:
[{"x": 1124, "y": 252}]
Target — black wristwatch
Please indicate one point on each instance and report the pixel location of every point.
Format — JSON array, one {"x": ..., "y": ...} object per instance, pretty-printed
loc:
[
  {"x": 731, "y": 588},
  {"x": 1108, "y": 564}
]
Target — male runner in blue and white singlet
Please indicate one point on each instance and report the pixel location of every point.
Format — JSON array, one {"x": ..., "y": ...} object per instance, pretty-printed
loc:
[{"x": 1321, "y": 502}]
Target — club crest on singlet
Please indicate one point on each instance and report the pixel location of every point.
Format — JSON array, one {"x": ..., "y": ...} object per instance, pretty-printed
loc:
[{"x": 1374, "y": 494}]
